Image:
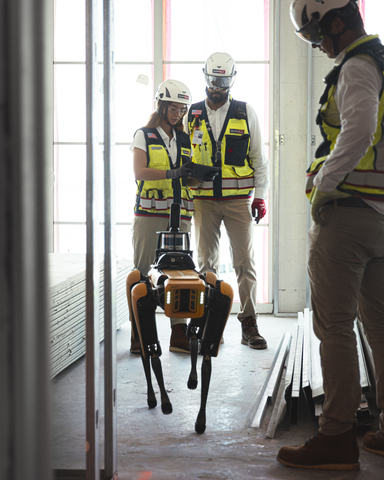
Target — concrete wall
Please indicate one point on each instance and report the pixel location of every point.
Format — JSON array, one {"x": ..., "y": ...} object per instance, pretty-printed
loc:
[{"x": 293, "y": 159}]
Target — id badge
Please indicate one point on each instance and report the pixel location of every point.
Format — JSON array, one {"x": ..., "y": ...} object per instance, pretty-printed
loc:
[{"x": 197, "y": 137}]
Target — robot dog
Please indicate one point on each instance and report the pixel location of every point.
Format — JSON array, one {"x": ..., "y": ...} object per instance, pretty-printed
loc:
[{"x": 182, "y": 292}]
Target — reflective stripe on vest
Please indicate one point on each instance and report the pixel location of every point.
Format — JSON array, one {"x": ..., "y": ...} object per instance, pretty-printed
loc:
[
  {"x": 238, "y": 184},
  {"x": 367, "y": 179},
  {"x": 164, "y": 204}
]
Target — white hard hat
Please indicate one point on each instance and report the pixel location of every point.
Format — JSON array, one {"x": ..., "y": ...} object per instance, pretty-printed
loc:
[
  {"x": 306, "y": 15},
  {"x": 173, "y": 91},
  {"x": 219, "y": 71}
]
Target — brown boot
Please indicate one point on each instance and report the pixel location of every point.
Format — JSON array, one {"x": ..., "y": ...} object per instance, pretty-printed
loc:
[
  {"x": 135, "y": 345},
  {"x": 324, "y": 452},
  {"x": 179, "y": 341},
  {"x": 251, "y": 335},
  {"x": 374, "y": 442}
]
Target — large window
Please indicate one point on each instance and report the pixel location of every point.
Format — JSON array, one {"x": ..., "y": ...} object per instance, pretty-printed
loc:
[
  {"x": 373, "y": 11},
  {"x": 190, "y": 32}
]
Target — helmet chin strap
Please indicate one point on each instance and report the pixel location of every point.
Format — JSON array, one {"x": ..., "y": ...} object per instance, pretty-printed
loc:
[
  {"x": 335, "y": 37},
  {"x": 164, "y": 115}
]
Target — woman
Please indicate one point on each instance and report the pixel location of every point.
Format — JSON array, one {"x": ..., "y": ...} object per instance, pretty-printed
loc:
[{"x": 161, "y": 165}]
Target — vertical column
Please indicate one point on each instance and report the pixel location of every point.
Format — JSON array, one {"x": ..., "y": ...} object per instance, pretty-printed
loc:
[
  {"x": 275, "y": 55},
  {"x": 157, "y": 43},
  {"x": 110, "y": 247},
  {"x": 309, "y": 155},
  {"x": 92, "y": 260},
  {"x": 26, "y": 92}
]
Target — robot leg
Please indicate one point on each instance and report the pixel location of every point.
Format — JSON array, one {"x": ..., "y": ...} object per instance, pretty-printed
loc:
[
  {"x": 133, "y": 279},
  {"x": 206, "y": 369},
  {"x": 195, "y": 332},
  {"x": 219, "y": 308},
  {"x": 144, "y": 309}
]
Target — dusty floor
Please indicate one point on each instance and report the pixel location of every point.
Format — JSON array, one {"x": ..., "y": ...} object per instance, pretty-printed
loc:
[{"x": 165, "y": 447}]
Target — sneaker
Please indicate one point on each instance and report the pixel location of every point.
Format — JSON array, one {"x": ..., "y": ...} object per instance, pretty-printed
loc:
[
  {"x": 374, "y": 442},
  {"x": 251, "y": 335},
  {"x": 324, "y": 452},
  {"x": 135, "y": 345},
  {"x": 179, "y": 341}
]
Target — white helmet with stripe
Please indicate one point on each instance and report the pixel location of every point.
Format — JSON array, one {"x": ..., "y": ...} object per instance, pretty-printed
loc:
[
  {"x": 219, "y": 71},
  {"x": 307, "y": 14},
  {"x": 173, "y": 91}
]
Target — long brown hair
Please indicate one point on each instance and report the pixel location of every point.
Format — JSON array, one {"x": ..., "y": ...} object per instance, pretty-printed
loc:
[{"x": 156, "y": 117}]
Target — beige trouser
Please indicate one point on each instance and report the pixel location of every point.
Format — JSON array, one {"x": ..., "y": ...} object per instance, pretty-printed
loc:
[
  {"x": 346, "y": 268},
  {"x": 238, "y": 221},
  {"x": 144, "y": 240}
]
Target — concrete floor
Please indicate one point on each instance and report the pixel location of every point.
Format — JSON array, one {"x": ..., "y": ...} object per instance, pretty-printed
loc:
[{"x": 165, "y": 447}]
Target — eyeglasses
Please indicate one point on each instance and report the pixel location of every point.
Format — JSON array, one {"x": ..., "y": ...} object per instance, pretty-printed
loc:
[
  {"x": 219, "y": 83},
  {"x": 177, "y": 111},
  {"x": 311, "y": 32}
]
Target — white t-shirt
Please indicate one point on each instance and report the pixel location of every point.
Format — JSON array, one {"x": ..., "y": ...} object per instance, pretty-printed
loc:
[{"x": 171, "y": 144}]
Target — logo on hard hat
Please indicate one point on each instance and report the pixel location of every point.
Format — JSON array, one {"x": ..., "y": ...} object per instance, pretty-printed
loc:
[
  {"x": 180, "y": 95},
  {"x": 222, "y": 72}
]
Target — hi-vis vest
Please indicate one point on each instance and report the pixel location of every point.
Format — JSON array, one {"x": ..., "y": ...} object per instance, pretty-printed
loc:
[
  {"x": 230, "y": 152},
  {"x": 367, "y": 179},
  {"x": 154, "y": 197}
]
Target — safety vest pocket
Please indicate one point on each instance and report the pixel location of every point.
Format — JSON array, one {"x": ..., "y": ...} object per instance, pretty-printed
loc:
[
  {"x": 236, "y": 149},
  {"x": 153, "y": 193}
]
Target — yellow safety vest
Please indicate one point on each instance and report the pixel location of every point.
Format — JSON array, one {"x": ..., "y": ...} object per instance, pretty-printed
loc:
[
  {"x": 230, "y": 153},
  {"x": 367, "y": 179},
  {"x": 154, "y": 197}
]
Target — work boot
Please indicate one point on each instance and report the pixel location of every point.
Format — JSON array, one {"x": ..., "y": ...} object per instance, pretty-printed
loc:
[
  {"x": 179, "y": 341},
  {"x": 251, "y": 335},
  {"x": 374, "y": 442},
  {"x": 324, "y": 452},
  {"x": 135, "y": 345}
]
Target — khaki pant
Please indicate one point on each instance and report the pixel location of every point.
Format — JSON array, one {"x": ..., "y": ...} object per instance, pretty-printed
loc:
[
  {"x": 238, "y": 221},
  {"x": 346, "y": 268},
  {"x": 144, "y": 240}
]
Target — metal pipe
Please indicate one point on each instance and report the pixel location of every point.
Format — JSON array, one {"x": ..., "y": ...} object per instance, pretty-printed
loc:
[
  {"x": 276, "y": 160},
  {"x": 110, "y": 378},
  {"x": 157, "y": 43},
  {"x": 92, "y": 257},
  {"x": 309, "y": 152}
]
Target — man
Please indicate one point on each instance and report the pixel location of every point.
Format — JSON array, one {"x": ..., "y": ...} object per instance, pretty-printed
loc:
[
  {"x": 225, "y": 133},
  {"x": 345, "y": 185}
]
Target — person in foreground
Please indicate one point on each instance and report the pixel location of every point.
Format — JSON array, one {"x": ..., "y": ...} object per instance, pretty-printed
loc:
[
  {"x": 161, "y": 165},
  {"x": 225, "y": 133},
  {"x": 345, "y": 185}
]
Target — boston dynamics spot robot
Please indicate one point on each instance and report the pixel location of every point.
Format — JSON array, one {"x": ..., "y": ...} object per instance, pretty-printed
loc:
[{"x": 174, "y": 284}]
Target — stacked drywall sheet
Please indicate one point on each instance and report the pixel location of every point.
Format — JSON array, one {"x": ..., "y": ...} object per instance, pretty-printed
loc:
[
  {"x": 67, "y": 294},
  {"x": 298, "y": 371},
  {"x": 272, "y": 383}
]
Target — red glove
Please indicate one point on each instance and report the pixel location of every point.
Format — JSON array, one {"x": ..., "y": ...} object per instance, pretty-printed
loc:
[{"x": 258, "y": 204}]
